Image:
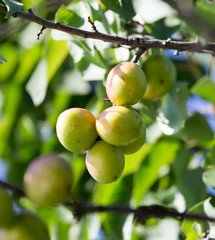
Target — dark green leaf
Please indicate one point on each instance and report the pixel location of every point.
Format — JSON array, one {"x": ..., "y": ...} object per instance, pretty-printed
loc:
[
  {"x": 192, "y": 187},
  {"x": 196, "y": 127},
  {"x": 124, "y": 8},
  {"x": 160, "y": 29},
  {"x": 210, "y": 158},
  {"x": 12, "y": 6},
  {"x": 205, "y": 88},
  {"x": 180, "y": 163}
]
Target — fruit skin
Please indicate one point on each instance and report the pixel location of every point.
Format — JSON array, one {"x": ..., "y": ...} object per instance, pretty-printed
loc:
[
  {"x": 76, "y": 129},
  {"x": 105, "y": 162},
  {"x": 160, "y": 73},
  {"x": 137, "y": 144},
  {"x": 25, "y": 226},
  {"x": 119, "y": 125},
  {"x": 6, "y": 208},
  {"x": 126, "y": 84},
  {"x": 48, "y": 180}
]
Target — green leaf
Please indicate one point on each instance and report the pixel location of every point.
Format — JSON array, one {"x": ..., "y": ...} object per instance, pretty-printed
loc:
[
  {"x": 192, "y": 187},
  {"x": 205, "y": 88},
  {"x": 55, "y": 54},
  {"x": 175, "y": 108},
  {"x": 69, "y": 17},
  {"x": 210, "y": 158},
  {"x": 196, "y": 127},
  {"x": 28, "y": 62},
  {"x": 12, "y": 102},
  {"x": 206, "y": 12},
  {"x": 209, "y": 176},
  {"x": 13, "y": 6},
  {"x": 133, "y": 161},
  {"x": 163, "y": 153},
  {"x": 37, "y": 84},
  {"x": 2, "y": 59},
  {"x": 113, "y": 5},
  {"x": 11, "y": 53},
  {"x": 124, "y": 7},
  {"x": 180, "y": 162},
  {"x": 194, "y": 229},
  {"x": 160, "y": 29}
]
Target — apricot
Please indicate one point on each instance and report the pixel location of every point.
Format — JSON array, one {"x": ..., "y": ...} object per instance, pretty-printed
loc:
[
  {"x": 137, "y": 144},
  {"x": 160, "y": 73},
  {"x": 6, "y": 208},
  {"x": 48, "y": 180},
  {"x": 25, "y": 226},
  {"x": 76, "y": 129},
  {"x": 126, "y": 84},
  {"x": 105, "y": 162},
  {"x": 119, "y": 125}
]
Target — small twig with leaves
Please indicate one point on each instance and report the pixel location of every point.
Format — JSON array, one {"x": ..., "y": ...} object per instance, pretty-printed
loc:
[{"x": 141, "y": 214}]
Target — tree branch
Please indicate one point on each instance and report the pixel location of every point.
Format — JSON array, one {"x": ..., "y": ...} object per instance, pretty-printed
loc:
[
  {"x": 144, "y": 43},
  {"x": 141, "y": 214}
]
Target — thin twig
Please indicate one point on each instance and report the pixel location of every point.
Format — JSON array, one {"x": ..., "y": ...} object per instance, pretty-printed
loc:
[
  {"x": 40, "y": 32},
  {"x": 194, "y": 46},
  {"x": 92, "y": 24},
  {"x": 140, "y": 214},
  {"x": 18, "y": 191}
]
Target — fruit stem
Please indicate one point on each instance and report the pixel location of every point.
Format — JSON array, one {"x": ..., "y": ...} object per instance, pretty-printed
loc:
[{"x": 138, "y": 54}]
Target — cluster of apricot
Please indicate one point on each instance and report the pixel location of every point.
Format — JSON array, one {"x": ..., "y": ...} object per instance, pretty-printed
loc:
[{"x": 118, "y": 130}]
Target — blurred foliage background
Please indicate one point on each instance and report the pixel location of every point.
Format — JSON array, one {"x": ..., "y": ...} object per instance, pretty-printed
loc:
[{"x": 42, "y": 78}]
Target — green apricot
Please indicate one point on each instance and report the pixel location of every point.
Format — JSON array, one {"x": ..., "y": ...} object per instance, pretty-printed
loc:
[
  {"x": 126, "y": 84},
  {"x": 76, "y": 129},
  {"x": 119, "y": 125},
  {"x": 6, "y": 208},
  {"x": 160, "y": 73},
  {"x": 25, "y": 226},
  {"x": 48, "y": 180},
  {"x": 105, "y": 162},
  {"x": 137, "y": 144}
]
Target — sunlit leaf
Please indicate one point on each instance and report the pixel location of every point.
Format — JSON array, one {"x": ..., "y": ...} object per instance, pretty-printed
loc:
[
  {"x": 205, "y": 88},
  {"x": 69, "y": 17},
  {"x": 209, "y": 176},
  {"x": 175, "y": 108},
  {"x": 37, "y": 84}
]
